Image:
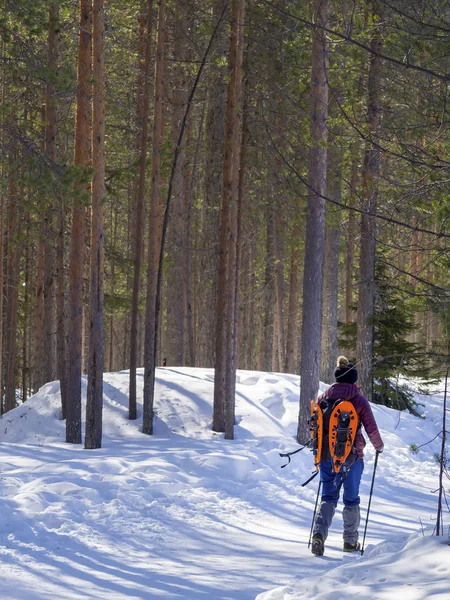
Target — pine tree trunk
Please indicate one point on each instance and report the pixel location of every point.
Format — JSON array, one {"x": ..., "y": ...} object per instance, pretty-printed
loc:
[
  {"x": 189, "y": 186},
  {"x": 143, "y": 117},
  {"x": 155, "y": 223},
  {"x": 292, "y": 322},
  {"x": 38, "y": 375},
  {"x": 315, "y": 223},
  {"x": 77, "y": 247},
  {"x": 26, "y": 300},
  {"x": 370, "y": 177},
  {"x": 233, "y": 264},
  {"x": 351, "y": 235},
  {"x": 330, "y": 288},
  {"x": 2, "y": 231},
  {"x": 2, "y": 238},
  {"x": 209, "y": 257},
  {"x": 60, "y": 310},
  {"x": 279, "y": 295},
  {"x": 49, "y": 372},
  {"x": 49, "y": 366},
  {"x": 331, "y": 270},
  {"x": 12, "y": 289},
  {"x": 250, "y": 321},
  {"x": 225, "y": 367},
  {"x": 267, "y": 312},
  {"x": 242, "y": 198},
  {"x": 174, "y": 339},
  {"x": 94, "y": 406}
]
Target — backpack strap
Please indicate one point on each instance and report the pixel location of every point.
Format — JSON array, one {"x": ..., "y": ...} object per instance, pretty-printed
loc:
[{"x": 315, "y": 423}]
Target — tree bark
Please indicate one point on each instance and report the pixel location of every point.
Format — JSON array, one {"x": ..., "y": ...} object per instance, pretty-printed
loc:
[
  {"x": 12, "y": 287},
  {"x": 94, "y": 405},
  {"x": 292, "y": 320},
  {"x": 189, "y": 186},
  {"x": 49, "y": 366},
  {"x": 38, "y": 377},
  {"x": 315, "y": 223},
  {"x": 26, "y": 301},
  {"x": 225, "y": 366},
  {"x": 155, "y": 224},
  {"x": 77, "y": 248},
  {"x": 370, "y": 177},
  {"x": 268, "y": 293},
  {"x": 60, "y": 309},
  {"x": 143, "y": 117},
  {"x": 176, "y": 305},
  {"x": 233, "y": 265},
  {"x": 351, "y": 235},
  {"x": 2, "y": 231},
  {"x": 279, "y": 294},
  {"x": 330, "y": 287},
  {"x": 209, "y": 256}
]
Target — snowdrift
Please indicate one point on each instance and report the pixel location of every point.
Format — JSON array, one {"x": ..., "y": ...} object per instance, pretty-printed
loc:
[{"x": 185, "y": 514}]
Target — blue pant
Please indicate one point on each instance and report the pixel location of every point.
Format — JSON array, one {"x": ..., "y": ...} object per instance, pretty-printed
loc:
[{"x": 331, "y": 483}]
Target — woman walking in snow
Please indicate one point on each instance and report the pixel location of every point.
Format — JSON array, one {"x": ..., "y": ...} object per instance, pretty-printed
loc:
[{"x": 348, "y": 478}]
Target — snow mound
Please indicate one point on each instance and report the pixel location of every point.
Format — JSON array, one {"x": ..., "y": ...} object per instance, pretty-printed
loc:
[
  {"x": 185, "y": 514},
  {"x": 408, "y": 568}
]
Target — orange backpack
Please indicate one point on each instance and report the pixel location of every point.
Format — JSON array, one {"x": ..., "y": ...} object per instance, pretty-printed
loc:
[{"x": 342, "y": 421}]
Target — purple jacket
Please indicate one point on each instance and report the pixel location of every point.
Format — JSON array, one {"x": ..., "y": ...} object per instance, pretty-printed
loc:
[{"x": 349, "y": 391}]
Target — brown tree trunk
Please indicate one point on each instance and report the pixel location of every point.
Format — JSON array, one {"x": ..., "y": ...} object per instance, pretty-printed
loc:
[
  {"x": 292, "y": 323},
  {"x": 250, "y": 321},
  {"x": 225, "y": 368},
  {"x": 39, "y": 320},
  {"x": 26, "y": 302},
  {"x": 242, "y": 197},
  {"x": 155, "y": 224},
  {"x": 330, "y": 287},
  {"x": 189, "y": 184},
  {"x": 111, "y": 353},
  {"x": 2, "y": 237},
  {"x": 2, "y": 231},
  {"x": 60, "y": 308},
  {"x": 39, "y": 345},
  {"x": 267, "y": 312},
  {"x": 370, "y": 177},
  {"x": 12, "y": 287},
  {"x": 279, "y": 294},
  {"x": 174, "y": 339},
  {"x": 236, "y": 200},
  {"x": 49, "y": 373},
  {"x": 209, "y": 256},
  {"x": 351, "y": 236},
  {"x": 315, "y": 223},
  {"x": 94, "y": 405},
  {"x": 77, "y": 248},
  {"x": 143, "y": 116}
]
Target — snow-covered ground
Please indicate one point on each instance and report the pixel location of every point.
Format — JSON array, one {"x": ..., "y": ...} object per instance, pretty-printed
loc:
[{"x": 185, "y": 514}]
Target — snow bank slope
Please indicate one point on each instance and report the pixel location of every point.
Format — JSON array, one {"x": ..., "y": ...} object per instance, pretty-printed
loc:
[{"x": 184, "y": 514}]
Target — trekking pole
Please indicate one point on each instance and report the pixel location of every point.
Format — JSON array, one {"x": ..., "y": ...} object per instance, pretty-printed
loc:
[
  {"x": 314, "y": 515},
  {"x": 370, "y": 499}
]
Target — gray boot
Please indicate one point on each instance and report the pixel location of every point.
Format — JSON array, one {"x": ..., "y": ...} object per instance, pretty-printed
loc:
[{"x": 351, "y": 518}]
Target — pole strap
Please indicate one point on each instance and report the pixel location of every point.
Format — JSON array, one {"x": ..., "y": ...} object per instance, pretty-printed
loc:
[
  {"x": 310, "y": 479},
  {"x": 289, "y": 454}
]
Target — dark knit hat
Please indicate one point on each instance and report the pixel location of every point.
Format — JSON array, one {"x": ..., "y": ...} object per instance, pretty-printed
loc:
[{"x": 345, "y": 372}]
